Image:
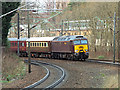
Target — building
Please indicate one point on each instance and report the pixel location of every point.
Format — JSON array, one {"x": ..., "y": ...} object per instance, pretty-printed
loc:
[{"x": 70, "y": 32}]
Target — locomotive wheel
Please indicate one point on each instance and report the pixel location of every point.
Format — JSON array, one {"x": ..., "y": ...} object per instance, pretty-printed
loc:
[
  {"x": 58, "y": 56},
  {"x": 49, "y": 56},
  {"x": 84, "y": 59},
  {"x": 32, "y": 55},
  {"x": 36, "y": 56},
  {"x": 72, "y": 57},
  {"x": 61, "y": 56},
  {"x": 20, "y": 55},
  {"x": 69, "y": 57}
]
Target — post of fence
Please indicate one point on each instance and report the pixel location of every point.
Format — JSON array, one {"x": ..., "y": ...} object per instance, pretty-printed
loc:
[
  {"x": 114, "y": 36},
  {"x": 29, "y": 55},
  {"x": 18, "y": 34}
]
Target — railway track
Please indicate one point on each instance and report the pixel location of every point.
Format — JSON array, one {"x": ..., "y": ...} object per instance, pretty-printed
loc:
[
  {"x": 103, "y": 61},
  {"x": 71, "y": 68},
  {"x": 54, "y": 76},
  {"x": 92, "y": 60}
]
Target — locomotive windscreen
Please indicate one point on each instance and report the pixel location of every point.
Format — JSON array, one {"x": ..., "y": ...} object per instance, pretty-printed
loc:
[
  {"x": 76, "y": 42},
  {"x": 83, "y": 41}
]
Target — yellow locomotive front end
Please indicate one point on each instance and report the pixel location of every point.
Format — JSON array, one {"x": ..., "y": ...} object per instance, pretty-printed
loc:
[{"x": 81, "y": 48}]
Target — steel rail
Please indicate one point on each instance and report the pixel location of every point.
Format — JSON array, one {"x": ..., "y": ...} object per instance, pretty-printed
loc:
[
  {"x": 102, "y": 62},
  {"x": 40, "y": 81},
  {"x": 35, "y": 62},
  {"x": 59, "y": 80}
]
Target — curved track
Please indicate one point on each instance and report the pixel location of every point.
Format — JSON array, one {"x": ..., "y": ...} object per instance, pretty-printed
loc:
[
  {"x": 54, "y": 76},
  {"x": 103, "y": 61}
]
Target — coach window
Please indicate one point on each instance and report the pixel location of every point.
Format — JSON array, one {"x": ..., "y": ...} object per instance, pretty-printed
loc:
[
  {"x": 20, "y": 44},
  {"x": 15, "y": 44},
  {"x": 33, "y": 44},
  {"x": 23, "y": 44},
  {"x": 27, "y": 44},
  {"x": 46, "y": 44},
  {"x": 38, "y": 44},
  {"x": 12, "y": 44},
  {"x": 42, "y": 44}
]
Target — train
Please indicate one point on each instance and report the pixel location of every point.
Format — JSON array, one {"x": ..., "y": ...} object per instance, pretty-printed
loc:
[{"x": 74, "y": 47}]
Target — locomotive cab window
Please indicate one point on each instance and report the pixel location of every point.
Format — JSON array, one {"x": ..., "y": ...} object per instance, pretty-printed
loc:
[
  {"x": 76, "y": 42},
  {"x": 83, "y": 41}
]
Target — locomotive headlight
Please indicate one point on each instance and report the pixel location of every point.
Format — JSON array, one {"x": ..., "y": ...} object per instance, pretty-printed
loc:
[
  {"x": 86, "y": 50},
  {"x": 76, "y": 50}
]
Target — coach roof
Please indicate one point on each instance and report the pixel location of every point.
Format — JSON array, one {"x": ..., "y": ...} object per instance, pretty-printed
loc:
[
  {"x": 15, "y": 39},
  {"x": 40, "y": 39}
]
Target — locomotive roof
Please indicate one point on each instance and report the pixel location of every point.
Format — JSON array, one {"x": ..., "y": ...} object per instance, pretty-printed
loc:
[
  {"x": 41, "y": 39},
  {"x": 15, "y": 39},
  {"x": 68, "y": 38}
]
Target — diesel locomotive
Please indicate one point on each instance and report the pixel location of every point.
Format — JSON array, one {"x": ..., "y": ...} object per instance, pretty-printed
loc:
[{"x": 69, "y": 47}]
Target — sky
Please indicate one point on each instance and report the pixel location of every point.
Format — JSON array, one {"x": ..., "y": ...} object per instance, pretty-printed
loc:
[
  {"x": 37, "y": 2},
  {"x": 64, "y": 0},
  {"x": 41, "y": 1}
]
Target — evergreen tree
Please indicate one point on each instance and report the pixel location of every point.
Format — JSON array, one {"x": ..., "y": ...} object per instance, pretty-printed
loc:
[{"x": 7, "y": 7}]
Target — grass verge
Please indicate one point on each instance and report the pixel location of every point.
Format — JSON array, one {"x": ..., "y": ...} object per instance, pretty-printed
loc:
[{"x": 12, "y": 66}]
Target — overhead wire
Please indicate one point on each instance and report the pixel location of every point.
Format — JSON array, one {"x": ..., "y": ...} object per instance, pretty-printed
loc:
[
  {"x": 107, "y": 24},
  {"x": 14, "y": 10}
]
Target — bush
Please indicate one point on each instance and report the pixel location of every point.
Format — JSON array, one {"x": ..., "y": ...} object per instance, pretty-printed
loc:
[
  {"x": 101, "y": 57},
  {"x": 8, "y": 44}
]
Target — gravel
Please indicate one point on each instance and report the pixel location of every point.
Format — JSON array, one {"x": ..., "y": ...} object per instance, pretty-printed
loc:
[
  {"x": 79, "y": 75},
  {"x": 87, "y": 74}
]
